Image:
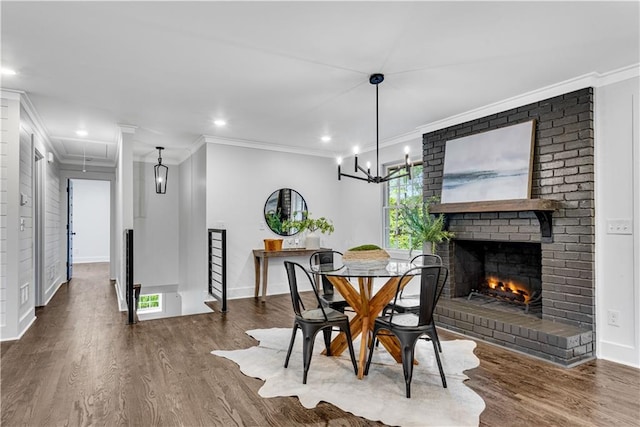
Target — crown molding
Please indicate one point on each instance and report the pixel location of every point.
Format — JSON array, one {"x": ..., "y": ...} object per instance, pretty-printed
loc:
[
  {"x": 262, "y": 146},
  {"x": 11, "y": 94},
  {"x": 619, "y": 75},
  {"x": 131, "y": 129},
  {"x": 36, "y": 120},
  {"x": 88, "y": 141},
  {"x": 592, "y": 79}
]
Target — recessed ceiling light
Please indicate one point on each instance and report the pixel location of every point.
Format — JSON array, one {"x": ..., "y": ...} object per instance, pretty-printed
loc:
[
  {"x": 82, "y": 132},
  {"x": 219, "y": 122},
  {"x": 8, "y": 72},
  {"x": 326, "y": 138}
]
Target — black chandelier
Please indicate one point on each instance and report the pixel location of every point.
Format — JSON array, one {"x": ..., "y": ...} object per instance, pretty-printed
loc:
[
  {"x": 160, "y": 172},
  {"x": 376, "y": 79}
]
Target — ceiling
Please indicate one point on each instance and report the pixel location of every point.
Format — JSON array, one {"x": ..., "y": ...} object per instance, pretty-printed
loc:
[{"x": 283, "y": 74}]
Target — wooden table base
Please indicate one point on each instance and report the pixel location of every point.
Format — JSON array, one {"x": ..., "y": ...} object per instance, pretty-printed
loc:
[{"x": 367, "y": 308}]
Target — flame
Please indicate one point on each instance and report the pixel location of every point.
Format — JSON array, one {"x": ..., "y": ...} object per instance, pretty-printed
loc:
[{"x": 508, "y": 286}]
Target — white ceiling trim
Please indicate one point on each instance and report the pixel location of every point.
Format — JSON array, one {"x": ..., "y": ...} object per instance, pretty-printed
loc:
[
  {"x": 88, "y": 141},
  {"x": 591, "y": 79},
  {"x": 37, "y": 121},
  {"x": 265, "y": 146},
  {"x": 127, "y": 128},
  {"x": 11, "y": 94}
]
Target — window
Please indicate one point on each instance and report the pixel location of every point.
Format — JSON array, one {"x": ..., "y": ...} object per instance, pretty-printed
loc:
[
  {"x": 150, "y": 303},
  {"x": 399, "y": 191}
]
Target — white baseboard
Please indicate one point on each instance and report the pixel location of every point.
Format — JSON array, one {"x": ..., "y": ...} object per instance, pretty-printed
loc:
[
  {"x": 51, "y": 290},
  {"x": 619, "y": 353},
  {"x": 87, "y": 260}
]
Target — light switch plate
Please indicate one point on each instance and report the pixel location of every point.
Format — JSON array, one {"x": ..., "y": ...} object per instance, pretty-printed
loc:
[{"x": 619, "y": 226}]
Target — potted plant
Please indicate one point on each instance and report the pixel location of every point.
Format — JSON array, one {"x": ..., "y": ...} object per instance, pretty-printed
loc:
[
  {"x": 322, "y": 224},
  {"x": 424, "y": 227}
]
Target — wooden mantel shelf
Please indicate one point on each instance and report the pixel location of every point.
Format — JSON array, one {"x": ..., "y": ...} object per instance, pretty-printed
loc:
[
  {"x": 543, "y": 209},
  {"x": 514, "y": 205}
]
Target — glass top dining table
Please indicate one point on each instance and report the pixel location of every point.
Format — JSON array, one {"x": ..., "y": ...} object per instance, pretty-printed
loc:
[
  {"x": 391, "y": 267},
  {"x": 366, "y": 302}
]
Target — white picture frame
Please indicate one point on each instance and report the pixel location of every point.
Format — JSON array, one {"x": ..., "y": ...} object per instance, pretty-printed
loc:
[{"x": 489, "y": 166}]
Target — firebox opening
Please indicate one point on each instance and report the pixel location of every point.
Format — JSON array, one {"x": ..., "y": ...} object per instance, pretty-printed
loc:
[{"x": 504, "y": 272}]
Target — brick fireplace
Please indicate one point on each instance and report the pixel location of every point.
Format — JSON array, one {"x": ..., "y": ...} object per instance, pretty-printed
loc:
[{"x": 557, "y": 242}]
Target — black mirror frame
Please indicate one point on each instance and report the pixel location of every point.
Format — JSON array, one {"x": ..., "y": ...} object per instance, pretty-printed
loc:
[{"x": 268, "y": 222}]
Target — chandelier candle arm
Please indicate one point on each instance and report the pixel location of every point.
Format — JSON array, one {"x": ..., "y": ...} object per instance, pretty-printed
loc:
[{"x": 376, "y": 79}]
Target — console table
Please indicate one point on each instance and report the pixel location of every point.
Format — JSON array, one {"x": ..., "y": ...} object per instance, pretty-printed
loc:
[{"x": 262, "y": 255}]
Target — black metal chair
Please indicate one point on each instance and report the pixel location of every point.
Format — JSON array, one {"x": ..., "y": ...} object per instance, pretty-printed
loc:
[
  {"x": 409, "y": 327},
  {"x": 410, "y": 303},
  {"x": 324, "y": 261},
  {"x": 312, "y": 321}
]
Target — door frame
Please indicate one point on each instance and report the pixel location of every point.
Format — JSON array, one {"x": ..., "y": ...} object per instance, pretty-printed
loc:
[
  {"x": 66, "y": 174},
  {"x": 38, "y": 227},
  {"x": 69, "y": 229}
]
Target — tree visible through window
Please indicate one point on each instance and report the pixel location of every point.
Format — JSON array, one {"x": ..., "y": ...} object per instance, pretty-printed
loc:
[
  {"x": 397, "y": 192},
  {"x": 152, "y": 302}
]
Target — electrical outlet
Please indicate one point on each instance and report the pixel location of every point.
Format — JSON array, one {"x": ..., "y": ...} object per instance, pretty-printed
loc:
[{"x": 613, "y": 317}]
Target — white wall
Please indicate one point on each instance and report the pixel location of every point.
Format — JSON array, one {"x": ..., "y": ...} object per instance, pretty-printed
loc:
[
  {"x": 19, "y": 138},
  {"x": 156, "y": 226},
  {"x": 91, "y": 220},
  {"x": 193, "y": 233},
  {"x": 239, "y": 181},
  {"x": 26, "y": 285},
  {"x": 124, "y": 206},
  {"x": 364, "y": 223},
  {"x": 53, "y": 267},
  {"x": 617, "y": 161},
  {"x": 10, "y": 214}
]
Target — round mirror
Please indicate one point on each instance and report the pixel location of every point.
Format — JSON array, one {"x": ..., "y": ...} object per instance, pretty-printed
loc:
[{"x": 282, "y": 205}]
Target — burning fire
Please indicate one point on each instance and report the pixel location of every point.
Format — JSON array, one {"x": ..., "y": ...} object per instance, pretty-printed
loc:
[{"x": 508, "y": 286}]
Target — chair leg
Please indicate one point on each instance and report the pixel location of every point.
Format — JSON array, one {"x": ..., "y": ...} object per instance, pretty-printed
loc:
[
  {"x": 407, "y": 364},
  {"x": 371, "y": 345},
  {"x": 327, "y": 339},
  {"x": 436, "y": 339},
  {"x": 435, "y": 349},
  {"x": 293, "y": 338},
  {"x": 307, "y": 351},
  {"x": 347, "y": 332}
]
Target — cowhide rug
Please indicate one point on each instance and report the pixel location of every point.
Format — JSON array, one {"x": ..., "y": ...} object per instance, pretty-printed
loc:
[{"x": 380, "y": 396}]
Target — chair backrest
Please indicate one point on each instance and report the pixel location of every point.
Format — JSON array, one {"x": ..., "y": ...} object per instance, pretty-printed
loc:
[
  {"x": 298, "y": 305},
  {"x": 432, "y": 278},
  {"x": 426, "y": 259},
  {"x": 326, "y": 261},
  {"x": 418, "y": 260}
]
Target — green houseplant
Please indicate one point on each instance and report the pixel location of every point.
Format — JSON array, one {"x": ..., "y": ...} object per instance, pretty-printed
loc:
[
  {"x": 322, "y": 224},
  {"x": 274, "y": 221},
  {"x": 424, "y": 227}
]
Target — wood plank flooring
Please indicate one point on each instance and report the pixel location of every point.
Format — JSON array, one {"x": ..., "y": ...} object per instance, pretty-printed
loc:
[{"x": 80, "y": 364}]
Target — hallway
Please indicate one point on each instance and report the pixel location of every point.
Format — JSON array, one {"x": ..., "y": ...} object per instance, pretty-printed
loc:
[{"x": 81, "y": 364}]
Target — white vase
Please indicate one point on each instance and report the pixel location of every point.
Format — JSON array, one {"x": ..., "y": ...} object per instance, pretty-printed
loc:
[{"x": 312, "y": 241}]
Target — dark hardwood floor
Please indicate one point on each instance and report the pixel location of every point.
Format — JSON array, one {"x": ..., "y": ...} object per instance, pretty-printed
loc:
[{"x": 80, "y": 364}]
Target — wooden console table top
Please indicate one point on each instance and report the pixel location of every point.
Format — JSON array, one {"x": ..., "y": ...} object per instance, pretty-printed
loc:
[{"x": 264, "y": 255}]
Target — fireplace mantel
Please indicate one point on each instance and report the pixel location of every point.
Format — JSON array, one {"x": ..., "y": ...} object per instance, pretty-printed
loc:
[{"x": 543, "y": 209}]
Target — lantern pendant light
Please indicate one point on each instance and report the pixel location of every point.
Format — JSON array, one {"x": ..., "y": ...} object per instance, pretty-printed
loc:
[{"x": 160, "y": 172}]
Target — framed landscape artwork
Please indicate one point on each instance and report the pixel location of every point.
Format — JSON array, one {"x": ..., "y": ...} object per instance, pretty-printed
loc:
[{"x": 493, "y": 165}]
